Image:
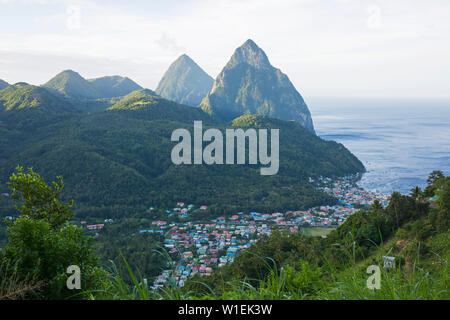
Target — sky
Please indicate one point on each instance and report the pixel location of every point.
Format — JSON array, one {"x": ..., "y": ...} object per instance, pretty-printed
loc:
[{"x": 328, "y": 48}]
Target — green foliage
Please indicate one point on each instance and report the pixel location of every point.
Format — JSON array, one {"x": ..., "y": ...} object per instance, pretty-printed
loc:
[
  {"x": 25, "y": 107},
  {"x": 267, "y": 256},
  {"x": 146, "y": 104},
  {"x": 38, "y": 250},
  {"x": 21, "y": 96},
  {"x": 416, "y": 193},
  {"x": 39, "y": 201},
  {"x": 360, "y": 233},
  {"x": 110, "y": 177},
  {"x": 142, "y": 251},
  {"x": 41, "y": 243},
  {"x": 306, "y": 281},
  {"x": 70, "y": 84},
  {"x": 403, "y": 208},
  {"x": 443, "y": 214},
  {"x": 432, "y": 179},
  {"x": 13, "y": 286},
  {"x": 281, "y": 266},
  {"x": 395, "y": 285}
]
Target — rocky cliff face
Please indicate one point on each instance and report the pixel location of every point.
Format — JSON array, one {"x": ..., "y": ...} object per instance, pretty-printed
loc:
[{"x": 249, "y": 84}]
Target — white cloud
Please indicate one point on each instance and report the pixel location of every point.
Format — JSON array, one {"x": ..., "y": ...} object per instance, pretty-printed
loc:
[
  {"x": 333, "y": 47},
  {"x": 169, "y": 44}
]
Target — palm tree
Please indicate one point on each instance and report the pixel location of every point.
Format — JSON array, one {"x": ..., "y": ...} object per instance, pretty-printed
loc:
[
  {"x": 394, "y": 203},
  {"x": 376, "y": 206},
  {"x": 416, "y": 193},
  {"x": 435, "y": 175}
]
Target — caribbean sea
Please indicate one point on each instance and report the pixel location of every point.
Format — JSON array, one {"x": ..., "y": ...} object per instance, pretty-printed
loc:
[{"x": 399, "y": 141}]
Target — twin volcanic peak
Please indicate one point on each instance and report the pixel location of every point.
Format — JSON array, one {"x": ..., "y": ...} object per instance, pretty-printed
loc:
[
  {"x": 71, "y": 84},
  {"x": 249, "y": 84},
  {"x": 185, "y": 82}
]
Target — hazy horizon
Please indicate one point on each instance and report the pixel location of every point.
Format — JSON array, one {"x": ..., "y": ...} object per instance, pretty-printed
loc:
[{"x": 337, "y": 48}]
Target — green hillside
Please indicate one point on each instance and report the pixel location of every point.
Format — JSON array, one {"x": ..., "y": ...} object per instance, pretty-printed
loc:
[
  {"x": 90, "y": 95},
  {"x": 25, "y": 107},
  {"x": 117, "y": 162},
  {"x": 70, "y": 84},
  {"x": 146, "y": 104},
  {"x": 22, "y": 96},
  {"x": 412, "y": 231}
]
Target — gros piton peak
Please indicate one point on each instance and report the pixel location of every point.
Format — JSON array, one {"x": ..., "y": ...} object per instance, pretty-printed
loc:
[
  {"x": 249, "y": 84},
  {"x": 23, "y": 96}
]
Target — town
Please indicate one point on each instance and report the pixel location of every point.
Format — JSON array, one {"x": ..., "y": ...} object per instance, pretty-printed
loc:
[{"x": 200, "y": 247}]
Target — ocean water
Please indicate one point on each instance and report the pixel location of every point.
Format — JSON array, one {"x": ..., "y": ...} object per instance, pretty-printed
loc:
[{"x": 399, "y": 141}]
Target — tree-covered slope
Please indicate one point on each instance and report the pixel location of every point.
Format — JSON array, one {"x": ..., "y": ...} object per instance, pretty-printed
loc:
[
  {"x": 70, "y": 84},
  {"x": 90, "y": 95},
  {"x": 146, "y": 104},
  {"x": 24, "y": 106},
  {"x": 120, "y": 159},
  {"x": 185, "y": 82},
  {"x": 304, "y": 152},
  {"x": 249, "y": 84},
  {"x": 22, "y": 96}
]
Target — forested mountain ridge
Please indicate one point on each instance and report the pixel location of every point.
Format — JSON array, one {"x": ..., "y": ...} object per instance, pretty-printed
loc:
[
  {"x": 146, "y": 104},
  {"x": 24, "y": 106},
  {"x": 71, "y": 84},
  {"x": 90, "y": 95},
  {"x": 118, "y": 161}
]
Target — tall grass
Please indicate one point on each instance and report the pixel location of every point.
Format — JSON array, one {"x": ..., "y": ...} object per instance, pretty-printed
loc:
[
  {"x": 306, "y": 281},
  {"x": 116, "y": 287},
  {"x": 12, "y": 287},
  {"x": 395, "y": 285}
]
